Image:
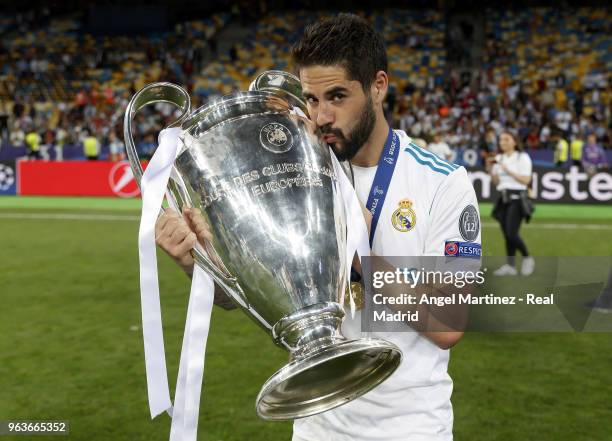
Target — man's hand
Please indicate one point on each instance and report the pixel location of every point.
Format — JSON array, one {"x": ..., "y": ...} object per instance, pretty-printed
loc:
[
  {"x": 177, "y": 235},
  {"x": 198, "y": 224},
  {"x": 173, "y": 235}
]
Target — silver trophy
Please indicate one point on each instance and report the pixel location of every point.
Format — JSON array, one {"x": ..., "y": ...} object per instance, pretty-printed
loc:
[{"x": 266, "y": 186}]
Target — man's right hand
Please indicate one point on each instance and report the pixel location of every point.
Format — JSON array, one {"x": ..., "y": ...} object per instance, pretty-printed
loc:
[{"x": 177, "y": 235}]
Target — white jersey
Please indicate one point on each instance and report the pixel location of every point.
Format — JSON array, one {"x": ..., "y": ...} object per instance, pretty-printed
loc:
[
  {"x": 414, "y": 403},
  {"x": 518, "y": 163}
]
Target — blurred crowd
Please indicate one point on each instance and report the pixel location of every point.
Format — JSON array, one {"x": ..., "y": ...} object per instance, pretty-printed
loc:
[
  {"x": 65, "y": 85},
  {"x": 545, "y": 75}
]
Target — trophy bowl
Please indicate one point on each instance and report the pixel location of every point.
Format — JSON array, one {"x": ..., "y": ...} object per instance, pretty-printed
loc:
[{"x": 266, "y": 186}]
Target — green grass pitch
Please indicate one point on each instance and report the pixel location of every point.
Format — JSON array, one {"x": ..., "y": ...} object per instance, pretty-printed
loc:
[{"x": 71, "y": 342}]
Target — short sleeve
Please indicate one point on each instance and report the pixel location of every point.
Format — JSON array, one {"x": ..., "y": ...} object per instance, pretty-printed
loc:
[
  {"x": 524, "y": 165},
  {"x": 455, "y": 219},
  {"x": 496, "y": 169}
]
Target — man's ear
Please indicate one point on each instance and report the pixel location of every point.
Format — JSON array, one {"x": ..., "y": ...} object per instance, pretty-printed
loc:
[{"x": 379, "y": 88}]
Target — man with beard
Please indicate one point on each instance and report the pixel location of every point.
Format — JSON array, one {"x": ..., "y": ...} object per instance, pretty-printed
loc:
[
  {"x": 429, "y": 207},
  {"x": 342, "y": 65}
]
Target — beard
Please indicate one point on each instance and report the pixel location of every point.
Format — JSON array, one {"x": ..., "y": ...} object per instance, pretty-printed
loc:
[{"x": 347, "y": 146}]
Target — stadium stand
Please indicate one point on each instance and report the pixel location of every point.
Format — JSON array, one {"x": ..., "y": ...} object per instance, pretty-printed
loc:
[{"x": 544, "y": 72}]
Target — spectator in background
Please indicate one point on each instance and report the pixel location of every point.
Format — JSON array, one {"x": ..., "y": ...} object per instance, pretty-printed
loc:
[
  {"x": 545, "y": 136},
  {"x": 532, "y": 142},
  {"x": 116, "y": 147},
  {"x": 33, "y": 140},
  {"x": 488, "y": 146},
  {"x": 48, "y": 143},
  {"x": 406, "y": 119},
  {"x": 593, "y": 156},
  {"x": 511, "y": 174},
  {"x": 4, "y": 124},
  {"x": 561, "y": 150},
  {"x": 147, "y": 147},
  {"x": 91, "y": 146},
  {"x": 563, "y": 119},
  {"x": 389, "y": 106},
  {"x": 576, "y": 150},
  {"x": 60, "y": 140},
  {"x": 18, "y": 110},
  {"x": 440, "y": 148},
  {"x": 17, "y": 136}
]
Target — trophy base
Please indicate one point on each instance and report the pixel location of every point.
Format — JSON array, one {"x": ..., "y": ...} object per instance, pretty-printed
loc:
[{"x": 332, "y": 376}]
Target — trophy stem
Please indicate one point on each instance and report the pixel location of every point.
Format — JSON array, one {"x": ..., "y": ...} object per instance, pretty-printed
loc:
[{"x": 308, "y": 329}]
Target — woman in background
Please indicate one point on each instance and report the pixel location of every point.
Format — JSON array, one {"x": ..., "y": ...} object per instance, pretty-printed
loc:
[{"x": 511, "y": 174}]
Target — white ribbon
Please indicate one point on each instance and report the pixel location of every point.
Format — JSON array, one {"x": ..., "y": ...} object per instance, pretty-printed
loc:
[
  {"x": 153, "y": 186},
  {"x": 357, "y": 238},
  {"x": 191, "y": 367}
]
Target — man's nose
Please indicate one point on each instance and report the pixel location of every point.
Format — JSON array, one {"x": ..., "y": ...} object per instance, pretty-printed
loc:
[{"x": 324, "y": 115}]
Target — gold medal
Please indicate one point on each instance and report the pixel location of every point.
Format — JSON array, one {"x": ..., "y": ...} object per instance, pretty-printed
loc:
[{"x": 358, "y": 295}]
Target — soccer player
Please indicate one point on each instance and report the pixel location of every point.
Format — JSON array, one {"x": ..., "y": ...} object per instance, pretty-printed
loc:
[
  {"x": 342, "y": 65},
  {"x": 429, "y": 203}
]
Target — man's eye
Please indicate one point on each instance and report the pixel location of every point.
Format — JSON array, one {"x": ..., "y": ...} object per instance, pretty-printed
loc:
[
  {"x": 337, "y": 97},
  {"x": 311, "y": 100}
]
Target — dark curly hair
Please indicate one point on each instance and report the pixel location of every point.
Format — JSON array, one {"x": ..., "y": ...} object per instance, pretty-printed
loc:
[{"x": 347, "y": 40}]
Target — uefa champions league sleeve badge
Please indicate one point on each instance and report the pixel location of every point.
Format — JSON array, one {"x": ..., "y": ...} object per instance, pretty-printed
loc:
[{"x": 469, "y": 223}]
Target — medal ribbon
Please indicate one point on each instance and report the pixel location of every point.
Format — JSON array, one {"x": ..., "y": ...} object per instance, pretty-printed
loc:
[{"x": 382, "y": 179}]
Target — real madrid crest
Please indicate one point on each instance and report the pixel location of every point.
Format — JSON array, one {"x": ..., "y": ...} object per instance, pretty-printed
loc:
[
  {"x": 276, "y": 138},
  {"x": 404, "y": 218}
]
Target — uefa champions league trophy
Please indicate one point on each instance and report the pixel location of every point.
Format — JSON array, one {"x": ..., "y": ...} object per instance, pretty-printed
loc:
[{"x": 266, "y": 186}]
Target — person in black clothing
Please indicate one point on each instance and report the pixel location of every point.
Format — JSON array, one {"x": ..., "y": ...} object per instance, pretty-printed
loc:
[{"x": 511, "y": 173}]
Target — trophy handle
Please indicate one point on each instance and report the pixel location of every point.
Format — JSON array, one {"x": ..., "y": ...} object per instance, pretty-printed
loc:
[
  {"x": 151, "y": 94},
  {"x": 283, "y": 84},
  {"x": 176, "y": 95}
]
